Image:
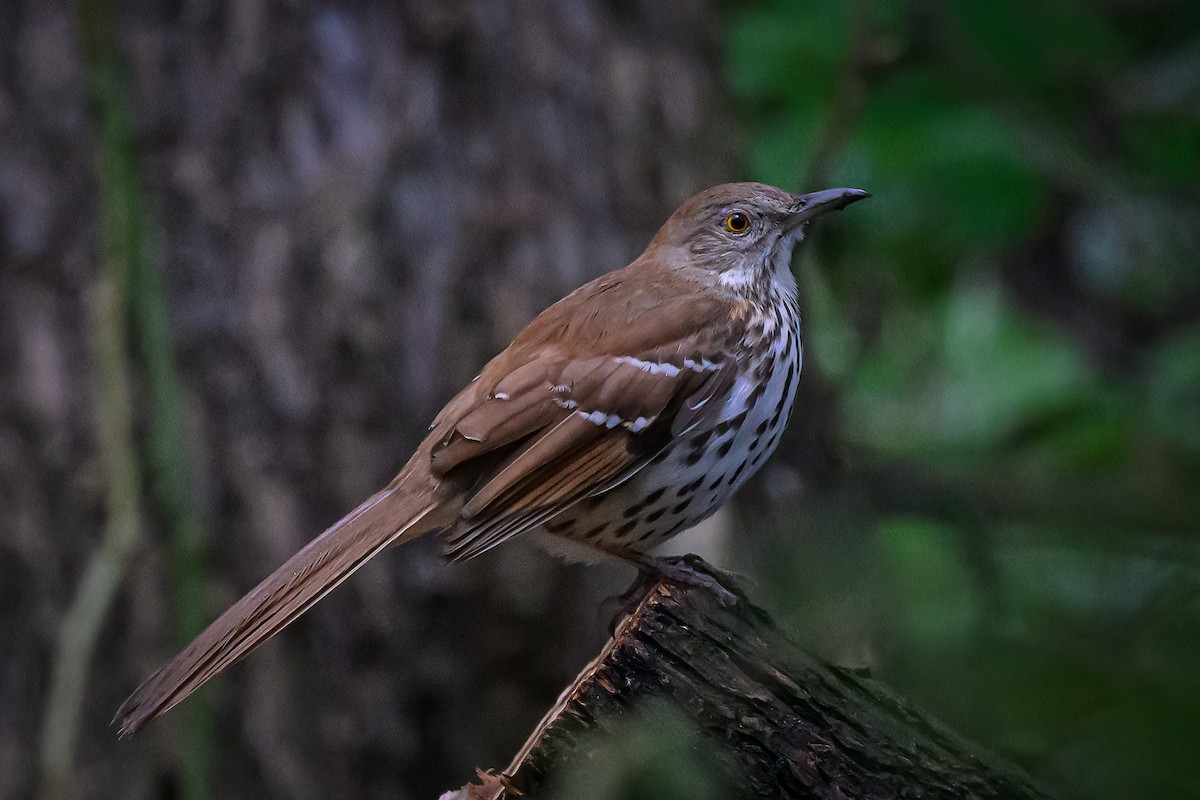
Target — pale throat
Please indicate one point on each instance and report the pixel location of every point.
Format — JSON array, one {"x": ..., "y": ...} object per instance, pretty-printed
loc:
[{"x": 762, "y": 280}]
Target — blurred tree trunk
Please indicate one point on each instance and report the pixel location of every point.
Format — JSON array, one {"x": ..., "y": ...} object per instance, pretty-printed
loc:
[{"x": 352, "y": 207}]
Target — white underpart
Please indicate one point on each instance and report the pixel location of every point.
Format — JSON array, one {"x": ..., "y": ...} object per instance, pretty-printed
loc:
[
  {"x": 738, "y": 279},
  {"x": 675, "y": 471},
  {"x": 743, "y": 278}
]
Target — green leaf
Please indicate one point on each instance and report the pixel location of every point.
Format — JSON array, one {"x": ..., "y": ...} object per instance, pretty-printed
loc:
[{"x": 929, "y": 580}]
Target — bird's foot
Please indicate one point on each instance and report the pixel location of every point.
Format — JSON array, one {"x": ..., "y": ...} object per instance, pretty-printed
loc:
[
  {"x": 688, "y": 570},
  {"x": 624, "y": 604},
  {"x": 692, "y": 570}
]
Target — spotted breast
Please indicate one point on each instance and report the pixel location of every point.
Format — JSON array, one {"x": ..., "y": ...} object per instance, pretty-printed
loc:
[{"x": 694, "y": 475}]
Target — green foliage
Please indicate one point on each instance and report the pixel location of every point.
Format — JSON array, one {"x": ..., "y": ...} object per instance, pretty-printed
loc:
[
  {"x": 656, "y": 755},
  {"x": 932, "y": 582},
  {"x": 1015, "y": 319},
  {"x": 1173, "y": 393},
  {"x": 961, "y": 373}
]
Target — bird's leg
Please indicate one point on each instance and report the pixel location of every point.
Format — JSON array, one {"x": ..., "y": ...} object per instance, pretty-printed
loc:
[
  {"x": 689, "y": 570},
  {"x": 624, "y": 604}
]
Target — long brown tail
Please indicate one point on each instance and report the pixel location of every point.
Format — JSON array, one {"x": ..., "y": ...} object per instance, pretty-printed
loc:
[{"x": 387, "y": 517}]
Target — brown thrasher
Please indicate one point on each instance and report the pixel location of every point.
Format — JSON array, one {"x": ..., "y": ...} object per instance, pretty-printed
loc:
[{"x": 625, "y": 413}]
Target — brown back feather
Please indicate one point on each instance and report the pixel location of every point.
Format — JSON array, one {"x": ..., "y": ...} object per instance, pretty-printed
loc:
[{"x": 528, "y": 406}]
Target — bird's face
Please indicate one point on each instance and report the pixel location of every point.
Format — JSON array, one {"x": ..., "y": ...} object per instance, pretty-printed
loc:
[{"x": 747, "y": 228}]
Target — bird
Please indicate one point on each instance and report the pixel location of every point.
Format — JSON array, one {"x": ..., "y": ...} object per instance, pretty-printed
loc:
[{"x": 622, "y": 415}]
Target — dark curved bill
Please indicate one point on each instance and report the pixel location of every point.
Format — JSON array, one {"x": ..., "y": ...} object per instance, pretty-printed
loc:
[{"x": 816, "y": 203}]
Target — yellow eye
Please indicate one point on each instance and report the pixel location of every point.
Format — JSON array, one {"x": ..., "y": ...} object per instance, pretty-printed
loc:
[{"x": 737, "y": 223}]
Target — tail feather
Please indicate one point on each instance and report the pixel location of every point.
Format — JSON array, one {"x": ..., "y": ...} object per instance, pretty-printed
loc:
[{"x": 384, "y": 519}]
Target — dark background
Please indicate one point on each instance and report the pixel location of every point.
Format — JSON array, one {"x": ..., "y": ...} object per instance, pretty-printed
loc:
[{"x": 247, "y": 250}]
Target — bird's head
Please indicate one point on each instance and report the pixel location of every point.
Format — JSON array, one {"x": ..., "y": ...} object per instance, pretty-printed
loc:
[{"x": 745, "y": 231}]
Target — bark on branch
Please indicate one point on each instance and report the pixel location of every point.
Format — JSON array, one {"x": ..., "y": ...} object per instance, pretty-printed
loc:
[{"x": 782, "y": 723}]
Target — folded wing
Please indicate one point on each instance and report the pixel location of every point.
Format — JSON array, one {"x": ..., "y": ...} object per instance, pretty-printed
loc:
[{"x": 559, "y": 430}]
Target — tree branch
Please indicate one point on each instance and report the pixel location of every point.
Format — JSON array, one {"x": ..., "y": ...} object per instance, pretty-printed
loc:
[{"x": 780, "y": 722}]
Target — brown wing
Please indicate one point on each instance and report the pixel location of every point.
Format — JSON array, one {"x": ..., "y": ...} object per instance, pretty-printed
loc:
[
  {"x": 574, "y": 429},
  {"x": 544, "y": 427}
]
